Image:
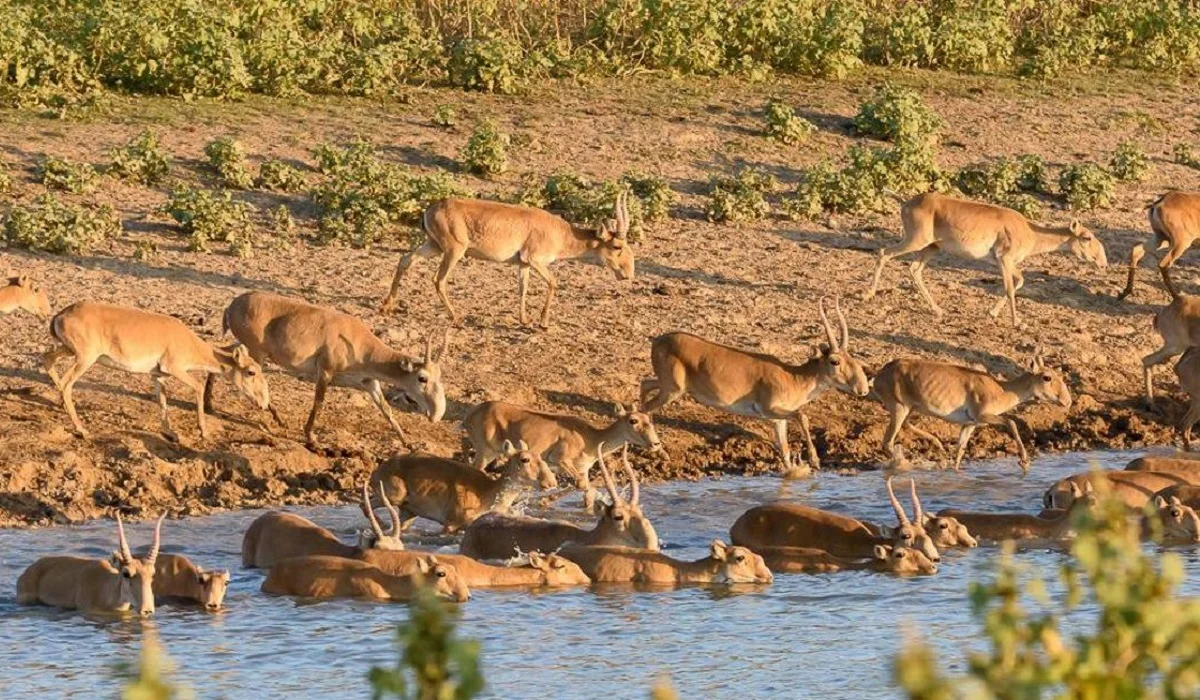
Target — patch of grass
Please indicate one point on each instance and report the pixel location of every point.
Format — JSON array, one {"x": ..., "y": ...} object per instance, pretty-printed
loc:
[
  {"x": 274, "y": 174},
  {"x": 145, "y": 250},
  {"x": 1086, "y": 186},
  {"x": 740, "y": 198},
  {"x": 784, "y": 126},
  {"x": 1129, "y": 163},
  {"x": 57, "y": 227},
  {"x": 228, "y": 160},
  {"x": 486, "y": 152},
  {"x": 62, "y": 174},
  {"x": 141, "y": 160},
  {"x": 1183, "y": 154},
  {"x": 208, "y": 216}
]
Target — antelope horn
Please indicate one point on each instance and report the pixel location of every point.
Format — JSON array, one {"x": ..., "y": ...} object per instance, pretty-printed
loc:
[
  {"x": 623, "y": 212},
  {"x": 445, "y": 344},
  {"x": 919, "y": 513},
  {"x": 607, "y": 476},
  {"x": 829, "y": 335},
  {"x": 370, "y": 511},
  {"x": 900, "y": 514},
  {"x": 429, "y": 347},
  {"x": 837, "y": 305},
  {"x": 392, "y": 510},
  {"x": 122, "y": 542},
  {"x": 635, "y": 494},
  {"x": 153, "y": 555}
]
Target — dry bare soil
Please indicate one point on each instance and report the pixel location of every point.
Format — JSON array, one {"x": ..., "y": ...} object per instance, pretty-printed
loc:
[{"x": 751, "y": 286}]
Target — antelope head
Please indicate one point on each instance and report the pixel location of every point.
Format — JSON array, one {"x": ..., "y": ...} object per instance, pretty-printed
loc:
[
  {"x": 527, "y": 465},
  {"x": 212, "y": 586},
  {"x": 1065, "y": 494},
  {"x": 907, "y": 533},
  {"x": 1180, "y": 522},
  {"x": 1085, "y": 245},
  {"x": 443, "y": 579},
  {"x": 137, "y": 575},
  {"x": 421, "y": 382},
  {"x": 611, "y": 241},
  {"x": 1046, "y": 384},
  {"x": 904, "y": 560},
  {"x": 29, "y": 296},
  {"x": 558, "y": 571},
  {"x": 738, "y": 564},
  {"x": 838, "y": 366},
  {"x": 944, "y": 530},
  {"x": 246, "y": 374},
  {"x": 622, "y": 518},
  {"x": 376, "y": 538},
  {"x": 638, "y": 428}
]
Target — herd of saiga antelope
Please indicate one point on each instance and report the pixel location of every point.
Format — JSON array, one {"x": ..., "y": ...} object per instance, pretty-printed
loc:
[{"x": 335, "y": 349}]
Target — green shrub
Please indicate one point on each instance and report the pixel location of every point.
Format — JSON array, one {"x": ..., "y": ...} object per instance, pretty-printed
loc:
[
  {"x": 274, "y": 174},
  {"x": 588, "y": 203},
  {"x": 1086, "y": 186},
  {"x": 740, "y": 198},
  {"x": 208, "y": 216},
  {"x": 902, "y": 37},
  {"x": 5, "y": 178},
  {"x": 141, "y": 160},
  {"x": 433, "y": 664},
  {"x": 1031, "y": 174},
  {"x": 491, "y": 65},
  {"x": 445, "y": 116},
  {"x": 1183, "y": 154},
  {"x": 1027, "y": 205},
  {"x": 62, "y": 174},
  {"x": 974, "y": 36},
  {"x": 860, "y": 186},
  {"x": 55, "y": 227},
  {"x": 897, "y": 114},
  {"x": 145, "y": 250},
  {"x": 486, "y": 152},
  {"x": 227, "y": 159},
  {"x": 1129, "y": 163},
  {"x": 784, "y": 126},
  {"x": 993, "y": 181},
  {"x": 654, "y": 194}
]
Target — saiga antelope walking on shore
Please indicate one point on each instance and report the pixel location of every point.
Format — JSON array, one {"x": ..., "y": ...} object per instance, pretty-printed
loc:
[
  {"x": 531, "y": 238},
  {"x": 1174, "y": 225},
  {"x": 754, "y": 384},
  {"x": 1179, "y": 325},
  {"x": 975, "y": 231}
]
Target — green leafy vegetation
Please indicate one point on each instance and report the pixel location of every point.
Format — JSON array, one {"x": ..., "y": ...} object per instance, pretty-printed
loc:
[
  {"x": 1008, "y": 182},
  {"x": 740, "y": 198},
  {"x": 5, "y": 178},
  {"x": 1086, "y": 186},
  {"x": 486, "y": 152},
  {"x": 151, "y": 678},
  {"x": 445, "y": 116},
  {"x": 587, "y": 203},
  {"x": 57, "y": 227},
  {"x": 62, "y": 174},
  {"x": 898, "y": 114},
  {"x": 283, "y": 226},
  {"x": 208, "y": 217},
  {"x": 434, "y": 664},
  {"x": 1144, "y": 643},
  {"x": 228, "y": 160},
  {"x": 274, "y": 174},
  {"x": 1129, "y": 163},
  {"x": 1183, "y": 154},
  {"x": 784, "y": 126},
  {"x": 862, "y": 185},
  {"x": 141, "y": 160},
  {"x": 145, "y": 250}
]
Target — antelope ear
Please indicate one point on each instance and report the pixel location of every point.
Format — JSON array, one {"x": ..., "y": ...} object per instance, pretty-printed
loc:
[
  {"x": 881, "y": 551},
  {"x": 1076, "y": 492},
  {"x": 537, "y": 561},
  {"x": 1076, "y": 226},
  {"x": 241, "y": 356},
  {"x": 426, "y": 564},
  {"x": 603, "y": 234},
  {"x": 620, "y": 409},
  {"x": 1088, "y": 488},
  {"x": 599, "y": 508},
  {"x": 23, "y": 281},
  {"x": 522, "y": 445},
  {"x": 1160, "y": 502},
  {"x": 717, "y": 550},
  {"x": 508, "y": 448},
  {"x": 1175, "y": 501}
]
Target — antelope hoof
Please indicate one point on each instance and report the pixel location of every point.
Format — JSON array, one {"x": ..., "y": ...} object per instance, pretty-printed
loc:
[
  {"x": 81, "y": 434},
  {"x": 172, "y": 436}
]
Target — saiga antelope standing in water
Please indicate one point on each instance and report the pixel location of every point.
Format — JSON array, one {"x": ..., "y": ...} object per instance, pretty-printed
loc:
[
  {"x": 531, "y": 238},
  {"x": 754, "y": 384},
  {"x": 335, "y": 349},
  {"x": 1179, "y": 325},
  {"x": 974, "y": 231},
  {"x": 1175, "y": 225},
  {"x": 22, "y": 293},
  {"x": 143, "y": 342},
  {"x": 968, "y": 397}
]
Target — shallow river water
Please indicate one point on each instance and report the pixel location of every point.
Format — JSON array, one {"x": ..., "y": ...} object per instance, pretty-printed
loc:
[{"x": 827, "y": 636}]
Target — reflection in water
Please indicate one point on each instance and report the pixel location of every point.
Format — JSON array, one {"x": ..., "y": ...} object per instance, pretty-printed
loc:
[{"x": 807, "y": 635}]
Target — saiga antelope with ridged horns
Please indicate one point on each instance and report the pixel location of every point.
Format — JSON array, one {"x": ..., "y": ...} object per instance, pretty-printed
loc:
[
  {"x": 1179, "y": 325},
  {"x": 961, "y": 395},
  {"x": 974, "y": 231},
  {"x": 1174, "y": 225},
  {"x": 335, "y": 349},
  {"x": 21, "y": 293},
  {"x": 531, "y": 238},
  {"x": 142, "y": 342},
  {"x": 117, "y": 584},
  {"x": 754, "y": 384}
]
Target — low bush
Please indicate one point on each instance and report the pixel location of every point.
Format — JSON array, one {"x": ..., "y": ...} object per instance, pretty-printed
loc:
[
  {"x": 62, "y": 174},
  {"x": 1129, "y": 163},
  {"x": 740, "y": 198},
  {"x": 897, "y": 114},
  {"x": 655, "y": 195},
  {"x": 274, "y": 174},
  {"x": 141, "y": 160},
  {"x": 1086, "y": 186},
  {"x": 1031, "y": 174},
  {"x": 494, "y": 64},
  {"x": 227, "y": 159},
  {"x": 588, "y": 203},
  {"x": 445, "y": 116},
  {"x": 486, "y": 152},
  {"x": 784, "y": 126},
  {"x": 1183, "y": 154},
  {"x": 5, "y": 178},
  {"x": 992, "y": 181},
  {"x": 145, "y": 250},
  {"x": 208, "y": 216},
  {"x": 56, "y": 227},
  {"x": 862, "y": 185}
]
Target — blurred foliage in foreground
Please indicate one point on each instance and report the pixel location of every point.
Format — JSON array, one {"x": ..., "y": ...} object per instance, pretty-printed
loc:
[
  {"x": 1145, "y": 642},
  {"x": 433, "y": 664},
  {"x": 150, "y": 679}
]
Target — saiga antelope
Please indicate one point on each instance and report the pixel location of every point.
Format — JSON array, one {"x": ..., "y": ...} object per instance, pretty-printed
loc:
[
  {"x": 724, "y": 565},
  {"x": 944, "y": 531},
  {"x": 21, "y": 293},
  {"x": 566, "y": 441},
  {"x": 1174, "y": 225},
  {"x": 1187, "y": 370},
  {"x": 530, "y": 238},
  {"x": 794, "y": 525},
  {"x": 956, "y": 394},
  {"x": 112, "y": 585},
  {"x": 1134, "y": 489},
  {"x": 455, "y": 494},
  {"x": 1179, "y": 325},
  {"x": 621, "y": 523},
  {"x": 532, "y": 570},
  {"x": 335, "y": 349},
  {"x": 336, "y": 577},
  {"x": 754, "y": 384},
  {"x": 143, "y": 342},
  {"x": 902, "y": 561},
  {"x": 176, "y": 577},
  {"x": 1188, "y": 495},
  {"x": 277, "y": 535},
  {"x": 974, "y": 231},
  {"x": 1019, "y": 526},
  {"x": 1188, "y": 468}
]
